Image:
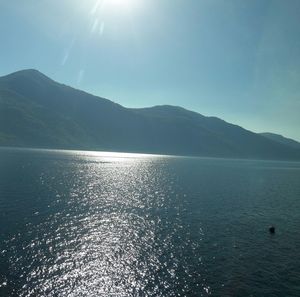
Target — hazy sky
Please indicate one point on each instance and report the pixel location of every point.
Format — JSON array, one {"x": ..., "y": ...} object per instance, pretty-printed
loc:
[{"x": 235, "y": 59}]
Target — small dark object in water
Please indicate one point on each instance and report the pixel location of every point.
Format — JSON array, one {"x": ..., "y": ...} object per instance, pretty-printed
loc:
[{"x": 272, "y": 229}]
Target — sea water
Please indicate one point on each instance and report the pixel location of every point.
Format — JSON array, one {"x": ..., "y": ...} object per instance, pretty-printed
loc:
[{"x": 112, "y": 224}]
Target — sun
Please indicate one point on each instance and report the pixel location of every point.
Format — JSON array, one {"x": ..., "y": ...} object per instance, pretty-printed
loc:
[
  {"x": 118, "y": 5},
  {"x": 112, "y": 7}
]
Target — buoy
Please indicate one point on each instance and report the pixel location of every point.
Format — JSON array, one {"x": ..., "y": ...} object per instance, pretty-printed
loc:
[{"x": 272, "y": 229}]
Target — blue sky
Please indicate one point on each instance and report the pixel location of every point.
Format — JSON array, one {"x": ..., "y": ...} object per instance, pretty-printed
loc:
[{"x": 238, "y": 60}]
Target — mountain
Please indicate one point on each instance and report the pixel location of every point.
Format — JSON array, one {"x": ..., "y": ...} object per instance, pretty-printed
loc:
[
  {"x": 36, "y": 111},
  {"x": 281, "y": 139}
]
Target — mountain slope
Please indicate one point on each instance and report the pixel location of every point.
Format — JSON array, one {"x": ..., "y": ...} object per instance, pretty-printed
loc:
[
  {"x": 36, "y": 111},
  {"x": 281, "y": 139}
]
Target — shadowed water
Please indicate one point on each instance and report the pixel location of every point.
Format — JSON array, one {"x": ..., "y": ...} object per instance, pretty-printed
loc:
[{"x": 109, "y": 224}]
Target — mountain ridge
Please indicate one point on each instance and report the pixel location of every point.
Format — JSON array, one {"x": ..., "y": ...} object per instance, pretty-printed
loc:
[
  {"x": 36, "y": 111},
  {"x": 282, "y": 139}
]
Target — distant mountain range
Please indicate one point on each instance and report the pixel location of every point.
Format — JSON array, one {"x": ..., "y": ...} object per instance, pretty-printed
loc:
[{"x": 36, "y": 111}]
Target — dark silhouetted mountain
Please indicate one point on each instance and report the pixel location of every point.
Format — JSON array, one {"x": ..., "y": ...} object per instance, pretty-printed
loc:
[
  {"x": 36, "y": 111},
  {"x": 281, "y": 139}
]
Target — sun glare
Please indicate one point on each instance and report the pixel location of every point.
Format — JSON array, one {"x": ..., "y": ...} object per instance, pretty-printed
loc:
[
  {"x": 122, "y": 4},
  {"x": 119, "y": 3},
  {"x": 115, "y": 5}
]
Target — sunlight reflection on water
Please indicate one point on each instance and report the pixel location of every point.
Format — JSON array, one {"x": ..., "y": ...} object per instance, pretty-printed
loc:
[
  {"x": 102, "y": 240},
  {"x": 113, "y": 224}
]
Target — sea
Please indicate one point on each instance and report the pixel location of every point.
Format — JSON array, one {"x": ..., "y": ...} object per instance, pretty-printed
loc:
[{"x": 79, "y": 223}]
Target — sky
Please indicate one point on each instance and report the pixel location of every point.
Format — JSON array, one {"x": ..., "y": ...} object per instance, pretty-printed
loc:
[{"x": 237, "y": 60}]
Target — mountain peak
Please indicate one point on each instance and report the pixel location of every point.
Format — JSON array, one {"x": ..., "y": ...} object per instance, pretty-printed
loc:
[
  {"x": 30, "y": 71},
  {"x": 169, "y": 110},
  {"x": 28, "y": 74}
]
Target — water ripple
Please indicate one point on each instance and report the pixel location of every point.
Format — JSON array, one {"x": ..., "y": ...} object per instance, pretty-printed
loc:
[{"x": 86, "y": 224}]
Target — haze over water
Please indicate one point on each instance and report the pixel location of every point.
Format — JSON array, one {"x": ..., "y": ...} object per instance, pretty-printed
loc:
[{"x": 110, "y": 224}]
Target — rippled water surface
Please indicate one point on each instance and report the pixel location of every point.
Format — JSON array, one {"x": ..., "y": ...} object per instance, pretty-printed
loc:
[{"x": 109, "y": 224}]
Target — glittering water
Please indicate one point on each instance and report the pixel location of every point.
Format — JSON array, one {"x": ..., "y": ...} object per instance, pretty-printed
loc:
[{"x": 108, "y": 224}]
